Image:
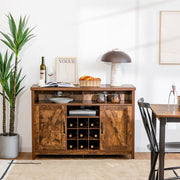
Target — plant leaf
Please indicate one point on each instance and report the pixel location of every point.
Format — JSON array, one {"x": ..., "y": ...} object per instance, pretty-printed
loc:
[
  {"x": 5, "y": 96},
  {"x": 20, "y": 90},
  {"x": 8, "y": 39},
  {"x": 12, "y": 26},
  {"x": 19, "y": 33},
  {"x": 5, "y": 42}
]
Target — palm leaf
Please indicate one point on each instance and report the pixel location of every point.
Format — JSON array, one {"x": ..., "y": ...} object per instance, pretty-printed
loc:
[
  {"x": 1, "y": 65},
  {"x": 5, "y": 60},
  {"x": 9, "y": 85},
  {"x": 5, "y": 68},
  {"x": 19, "y": 33},
  {"x": 19, "y": 83},
  {"x": 25, "y": 41},
  {"x": 20, "y": 90},
  {"x": 7, "y": 90},
  {"x": 5, "y": 96},
  {"x": 18, "y": 80},
  {"x": 12, "y": 27},
  {"x": 8, "y": 66},
  {"x": 8, "y": 39},
  {"x": 9, "y": 45}
]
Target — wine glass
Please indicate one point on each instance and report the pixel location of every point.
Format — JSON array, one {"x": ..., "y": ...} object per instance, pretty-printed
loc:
[{"x": 50, "y": 75}]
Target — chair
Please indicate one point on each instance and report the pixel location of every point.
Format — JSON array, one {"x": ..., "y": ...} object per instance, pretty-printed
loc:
[{"x": 170, "y": 147}]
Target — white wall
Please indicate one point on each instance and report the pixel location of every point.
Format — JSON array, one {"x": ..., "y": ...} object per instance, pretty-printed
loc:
[{"x": 87, "y": 29}]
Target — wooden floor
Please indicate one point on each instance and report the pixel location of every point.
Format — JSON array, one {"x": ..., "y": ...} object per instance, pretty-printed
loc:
[{"x": 138, "y": 155}]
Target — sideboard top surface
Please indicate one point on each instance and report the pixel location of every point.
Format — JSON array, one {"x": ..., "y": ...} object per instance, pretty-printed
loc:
[{"x": 124, "y": 87}]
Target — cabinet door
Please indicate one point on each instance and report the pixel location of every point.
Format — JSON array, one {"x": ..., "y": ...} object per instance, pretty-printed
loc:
[
  {"x": 116, "y": 128},
  {"x": 49, "y": 124}
]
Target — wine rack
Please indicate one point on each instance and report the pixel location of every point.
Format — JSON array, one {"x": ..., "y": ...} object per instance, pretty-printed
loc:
[{"x": 83, "y": 135}]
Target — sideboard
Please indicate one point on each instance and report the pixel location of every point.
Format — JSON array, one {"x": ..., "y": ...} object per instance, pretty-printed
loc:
[{"x": 110, "y": 131}]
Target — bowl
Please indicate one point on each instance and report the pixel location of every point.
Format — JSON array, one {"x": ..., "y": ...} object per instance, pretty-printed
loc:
[{"x": 61, "y": 100}]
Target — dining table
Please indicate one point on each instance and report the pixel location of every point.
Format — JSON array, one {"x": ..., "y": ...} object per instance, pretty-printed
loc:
[{"x": 165, "y": 114}]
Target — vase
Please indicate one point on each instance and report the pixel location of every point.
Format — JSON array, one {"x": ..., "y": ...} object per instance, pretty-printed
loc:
[{"x": 9, "y": 146}]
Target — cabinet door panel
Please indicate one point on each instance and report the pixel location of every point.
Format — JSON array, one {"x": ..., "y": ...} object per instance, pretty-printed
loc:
[
  {"x": 50, "y": 127},
  {"x": 117, "y": 127}
]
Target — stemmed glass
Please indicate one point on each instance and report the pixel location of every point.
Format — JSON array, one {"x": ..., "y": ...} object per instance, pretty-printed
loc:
[{"x": 50, "y": 75}]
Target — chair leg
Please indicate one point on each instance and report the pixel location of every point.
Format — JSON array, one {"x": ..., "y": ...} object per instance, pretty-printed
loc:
[
  {"x": 157, "y": 175},
  {"x": 152, "y": 159},
  {"x": 151, "y": 174}
]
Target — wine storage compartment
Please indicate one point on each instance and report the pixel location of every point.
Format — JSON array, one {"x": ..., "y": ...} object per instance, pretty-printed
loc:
[
  {"x": 94, "y": 122},
  {"x": 94, "y": 134},
  {"x": 83, "y": 122},
  {"x": 72, "y": 134},
  {"x": 83, "y": 134},
  {"x": 71, "y": 122},
  {"x": 83, "y": 145},
  {"x": 94, "y": 145},
  {"x": 72, "y": 144}
]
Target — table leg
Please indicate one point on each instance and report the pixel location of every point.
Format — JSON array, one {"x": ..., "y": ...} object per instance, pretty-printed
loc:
[
  {"x": 161, "y": 148},
  {"x": 152, "y": 153}
]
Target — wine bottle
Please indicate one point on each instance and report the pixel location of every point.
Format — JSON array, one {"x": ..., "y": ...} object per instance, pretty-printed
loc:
[
  {"x": 71, "y": 124},
  {"x": 81, "y": 124},
  {"x": 92, "y": 146},
  {"x": 92, "y": 124},
  {"x": 81, "y": 135},
  {"x": 81, "y": 146},
  {"x": 70, "y": 135},
  {"x": 71, "y": 146},
  {"x": 43, "y": 71},
  {"x": 95, "y": 135}
]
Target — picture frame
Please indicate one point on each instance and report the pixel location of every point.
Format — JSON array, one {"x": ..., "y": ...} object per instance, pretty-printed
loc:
[
  {"x": 169, "y": 38},
  {"x": 66, "y": 69}
]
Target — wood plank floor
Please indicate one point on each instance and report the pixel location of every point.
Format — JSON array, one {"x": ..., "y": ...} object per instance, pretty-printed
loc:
[{"x": 138, "y": 155}]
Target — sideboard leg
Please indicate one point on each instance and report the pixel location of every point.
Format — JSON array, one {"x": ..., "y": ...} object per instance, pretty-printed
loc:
[
  {"x": 33, "y": 156},
  {"x": 132, "y": 155}
]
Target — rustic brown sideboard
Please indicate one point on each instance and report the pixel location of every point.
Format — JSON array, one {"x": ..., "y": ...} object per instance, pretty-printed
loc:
[{"x": 56, "y": 132}]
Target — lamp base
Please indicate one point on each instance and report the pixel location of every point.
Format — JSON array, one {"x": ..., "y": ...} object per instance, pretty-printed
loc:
[{"x": 116, "y": 74}]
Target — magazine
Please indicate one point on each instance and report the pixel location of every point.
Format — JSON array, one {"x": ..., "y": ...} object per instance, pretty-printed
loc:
[{"x": 58, "y": 84}]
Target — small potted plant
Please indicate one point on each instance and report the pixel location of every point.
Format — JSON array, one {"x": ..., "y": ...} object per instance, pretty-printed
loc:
[{"x": 10, "y": 79}]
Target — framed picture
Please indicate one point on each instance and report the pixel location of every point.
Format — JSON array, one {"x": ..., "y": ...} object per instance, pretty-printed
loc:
[
  {"x": 169, "y": 42},
  {"x": 66, "y": 69}
]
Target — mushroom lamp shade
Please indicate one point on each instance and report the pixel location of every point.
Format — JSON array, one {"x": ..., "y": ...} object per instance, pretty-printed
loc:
[{"x": 116, "y": 57}]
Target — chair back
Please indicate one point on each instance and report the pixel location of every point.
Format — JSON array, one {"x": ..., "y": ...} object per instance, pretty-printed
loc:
[{"x": 147, "y": 121}]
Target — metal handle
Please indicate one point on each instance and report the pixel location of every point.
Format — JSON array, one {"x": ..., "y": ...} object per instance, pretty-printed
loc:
[
  {"x": 102, "y": 128},
  {"x": 64, "y": 127}
]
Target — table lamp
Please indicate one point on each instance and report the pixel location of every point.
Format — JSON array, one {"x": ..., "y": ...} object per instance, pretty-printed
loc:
[{"x": 116, "y": 57}]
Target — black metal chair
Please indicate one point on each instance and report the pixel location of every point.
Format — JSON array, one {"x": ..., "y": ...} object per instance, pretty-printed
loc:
[{"x": 170, "y": 147}]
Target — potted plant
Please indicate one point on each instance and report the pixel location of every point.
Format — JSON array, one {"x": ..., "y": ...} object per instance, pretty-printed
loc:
[{"x": 11, "y": 82}]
